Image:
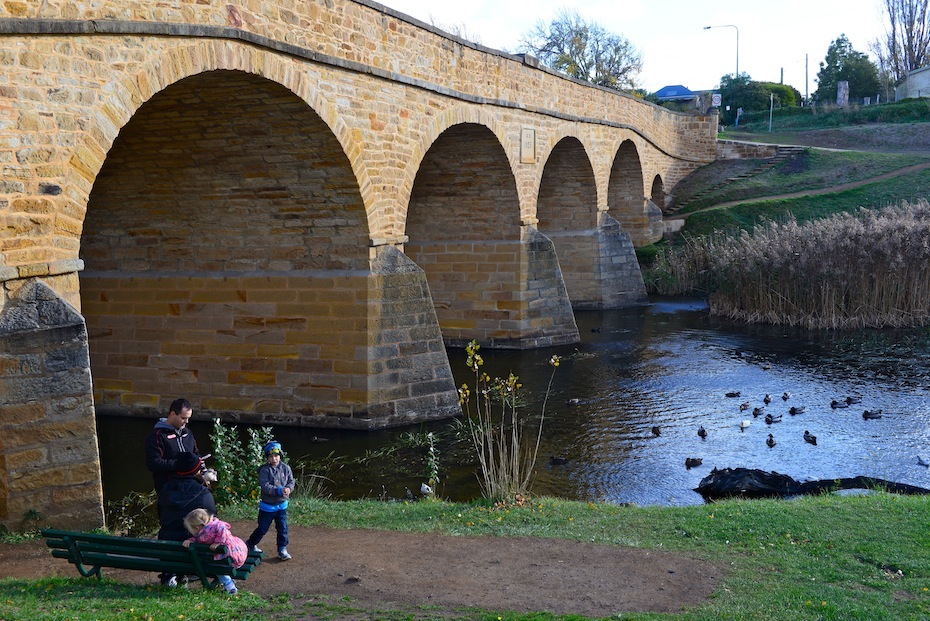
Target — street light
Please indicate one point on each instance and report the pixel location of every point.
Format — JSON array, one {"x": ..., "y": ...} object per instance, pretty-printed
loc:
[{"x": 736, "y": 76}]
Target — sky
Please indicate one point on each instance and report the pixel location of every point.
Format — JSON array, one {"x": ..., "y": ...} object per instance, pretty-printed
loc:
[{"x": 777, "y": 38}]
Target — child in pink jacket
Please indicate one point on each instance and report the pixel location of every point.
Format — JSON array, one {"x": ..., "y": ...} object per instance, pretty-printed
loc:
[{"x": 206, "y": 528}]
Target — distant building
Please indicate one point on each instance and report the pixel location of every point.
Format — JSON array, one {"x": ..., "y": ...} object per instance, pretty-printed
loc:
[
  {"x": 675, "y": 93},
  {"x": 683, "y": 99},
  {"x": 916, "y": 84}
]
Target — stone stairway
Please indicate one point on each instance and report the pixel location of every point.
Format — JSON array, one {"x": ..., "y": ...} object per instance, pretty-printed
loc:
[{"x": 784, "y": 152}]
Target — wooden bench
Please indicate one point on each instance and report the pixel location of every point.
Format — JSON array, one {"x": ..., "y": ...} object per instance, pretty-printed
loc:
[{"x": 90, "y": 552}]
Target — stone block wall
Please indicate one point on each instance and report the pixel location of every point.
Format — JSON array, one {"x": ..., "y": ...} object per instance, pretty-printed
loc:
[
  {"x": 732, "y": 150},
  {"x": 49, "y": 463}
]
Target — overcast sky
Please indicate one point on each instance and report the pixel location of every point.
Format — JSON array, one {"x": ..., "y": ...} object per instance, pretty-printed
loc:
[{"x": 774, "y": 35}]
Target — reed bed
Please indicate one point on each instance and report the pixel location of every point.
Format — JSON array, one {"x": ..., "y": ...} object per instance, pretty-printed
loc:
[{"x": 867, "y": 269}]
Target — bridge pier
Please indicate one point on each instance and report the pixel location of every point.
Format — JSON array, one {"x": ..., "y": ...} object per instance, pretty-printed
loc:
[
  {"x": 600, "y": 266},
  {"x": 49, "y": 468},
  {"x": 504, "y": 293}
]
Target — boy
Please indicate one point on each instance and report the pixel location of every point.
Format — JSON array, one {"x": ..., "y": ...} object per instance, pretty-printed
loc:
[{"x": 276, "y": 482}]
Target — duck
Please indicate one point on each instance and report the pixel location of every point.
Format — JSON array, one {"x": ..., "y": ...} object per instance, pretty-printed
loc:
[
  {"x": 838, "y": 404},
  {"x": 732, "y": 393},
  {"x": 770, "y": 441},
  {"x": 702, "y": 432},
  {"x": 785, "y": 396},
  {"x": 744, "y": 406},
  {"x": 872, "y": 414},
  {"x": 744, "y": 424},
  {"x": 657, "y": 431},
  {"x": 796, "y": 409},
  {"x": 769, "y": 419},
  {"x": 923, "y": 461},
  {"x": 693, "y": 462},
  {"x": 555, "y": 460},
  {"x": 851, "y": 400},
  {"x": 757, "y": 412},
  {"x": 318, "y": 439},
  {"x": 573, "y": 402},
  {"x": 767, "y": 399},
  {"x": 810, "y": 438}
]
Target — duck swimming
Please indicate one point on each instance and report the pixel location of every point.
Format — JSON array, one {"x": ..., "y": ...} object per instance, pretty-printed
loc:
[
  {"x": 852, "y": 400},
  {"x": 785, "y": 396},
  {"x": 732, "y": 393},
  {"x": 702, "y": 432},
  {"x": 769, "y": 419},
  {"x": 744, "y": 406},
  {"x": 810, "y": 438},
  {"x": 767, "y": 399},
  {"x": 796, "y": 410},
  {"x": 757, "y": 412},
  {"x": 838, "y": 404},
  {"x": 656, "y": 431},
  {"x": 770, "y": 441},
  {"x": 693, "y": 462},
  {"x": 872, "y": 414},
  {"x": 744, "y": 424}
]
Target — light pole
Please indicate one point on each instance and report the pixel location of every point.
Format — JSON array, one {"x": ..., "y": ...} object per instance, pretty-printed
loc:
[{"x": 736, "y": 75}]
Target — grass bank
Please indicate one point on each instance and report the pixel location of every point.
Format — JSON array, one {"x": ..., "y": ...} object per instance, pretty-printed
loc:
[{"x": 823, "y": 557}]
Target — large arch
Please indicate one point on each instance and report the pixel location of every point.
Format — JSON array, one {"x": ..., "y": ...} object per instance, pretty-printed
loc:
[
  {"x": 485, "y": 269},
  {"x": 215, "y": 232}
]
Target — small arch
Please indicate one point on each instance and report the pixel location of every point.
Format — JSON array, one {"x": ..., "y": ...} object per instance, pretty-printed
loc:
[
  {"x": 626, "y": 198},
  {"x": 657, "y": 194},
  {"x": 568, "y": 190}
]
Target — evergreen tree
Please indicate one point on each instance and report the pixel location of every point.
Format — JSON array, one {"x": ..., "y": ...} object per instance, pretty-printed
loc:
[{"x": 843, "y": 63}]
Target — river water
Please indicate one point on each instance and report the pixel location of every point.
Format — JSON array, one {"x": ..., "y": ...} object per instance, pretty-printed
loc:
[{"x": 667, "y": 365}]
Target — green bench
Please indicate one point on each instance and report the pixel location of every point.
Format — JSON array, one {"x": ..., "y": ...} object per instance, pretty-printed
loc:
[{"x": 90, "y": 552}]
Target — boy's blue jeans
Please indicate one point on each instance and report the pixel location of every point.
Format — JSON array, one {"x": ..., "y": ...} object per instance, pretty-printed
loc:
[{"x": 265, "y": 518}]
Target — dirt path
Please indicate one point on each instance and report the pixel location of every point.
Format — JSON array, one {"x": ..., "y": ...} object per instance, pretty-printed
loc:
[{"x": 383, "y": 570}]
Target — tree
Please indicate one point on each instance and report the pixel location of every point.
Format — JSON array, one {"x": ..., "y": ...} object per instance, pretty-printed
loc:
[
  {"x": 585, "y": 50},
  {"x": 743, "y": 92},
  {"x": 844, "y": 64},
  {"x": 905, "y": 46}
]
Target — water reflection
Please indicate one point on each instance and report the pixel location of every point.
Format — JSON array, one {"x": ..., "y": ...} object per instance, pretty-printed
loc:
[{"x": 667, "y": 365}]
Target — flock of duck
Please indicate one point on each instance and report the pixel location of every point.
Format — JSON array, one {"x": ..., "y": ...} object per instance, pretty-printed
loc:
[
  {"x": 771, "y": 419},
  {"x": 768, "y": 417}
]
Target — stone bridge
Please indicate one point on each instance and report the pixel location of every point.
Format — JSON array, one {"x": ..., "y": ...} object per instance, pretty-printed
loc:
[{"x": 284, "y": 212}]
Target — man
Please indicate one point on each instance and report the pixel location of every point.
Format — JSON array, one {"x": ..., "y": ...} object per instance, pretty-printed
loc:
[{"x": 167, "y": 440}]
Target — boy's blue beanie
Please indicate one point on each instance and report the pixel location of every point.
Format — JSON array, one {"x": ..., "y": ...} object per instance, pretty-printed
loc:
[{"x": 274, "y": 444}]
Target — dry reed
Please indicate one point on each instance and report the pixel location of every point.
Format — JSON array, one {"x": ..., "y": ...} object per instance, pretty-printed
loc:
[{"x": 868, "y": 269}]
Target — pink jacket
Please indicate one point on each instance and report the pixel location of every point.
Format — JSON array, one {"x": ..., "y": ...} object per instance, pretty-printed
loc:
[{"x": 217, "y": 531}]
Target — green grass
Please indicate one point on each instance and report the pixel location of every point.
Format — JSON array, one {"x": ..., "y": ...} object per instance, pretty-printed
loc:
[
  {"x": 911, "y": 187},
  {"x": 812, "y": 170},
  {"x": 822, "y": 557}
]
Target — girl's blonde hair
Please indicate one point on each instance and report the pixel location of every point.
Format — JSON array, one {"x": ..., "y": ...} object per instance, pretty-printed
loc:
[{"x": 196, "y": 520}]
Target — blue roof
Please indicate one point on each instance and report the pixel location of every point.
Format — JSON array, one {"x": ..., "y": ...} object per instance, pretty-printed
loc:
[{"x": 670, "y": 93}]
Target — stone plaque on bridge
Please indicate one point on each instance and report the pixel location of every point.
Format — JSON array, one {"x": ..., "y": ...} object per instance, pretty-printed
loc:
[{"x": 528, "y": 145}]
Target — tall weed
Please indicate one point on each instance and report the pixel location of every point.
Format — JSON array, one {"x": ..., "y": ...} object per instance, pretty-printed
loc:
[
  {"x": 868, "y": 269},
  {"x": 505, "y": 446}
]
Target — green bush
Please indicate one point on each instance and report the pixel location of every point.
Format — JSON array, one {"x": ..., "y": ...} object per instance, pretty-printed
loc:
[{"x": 236, "y": 462}]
